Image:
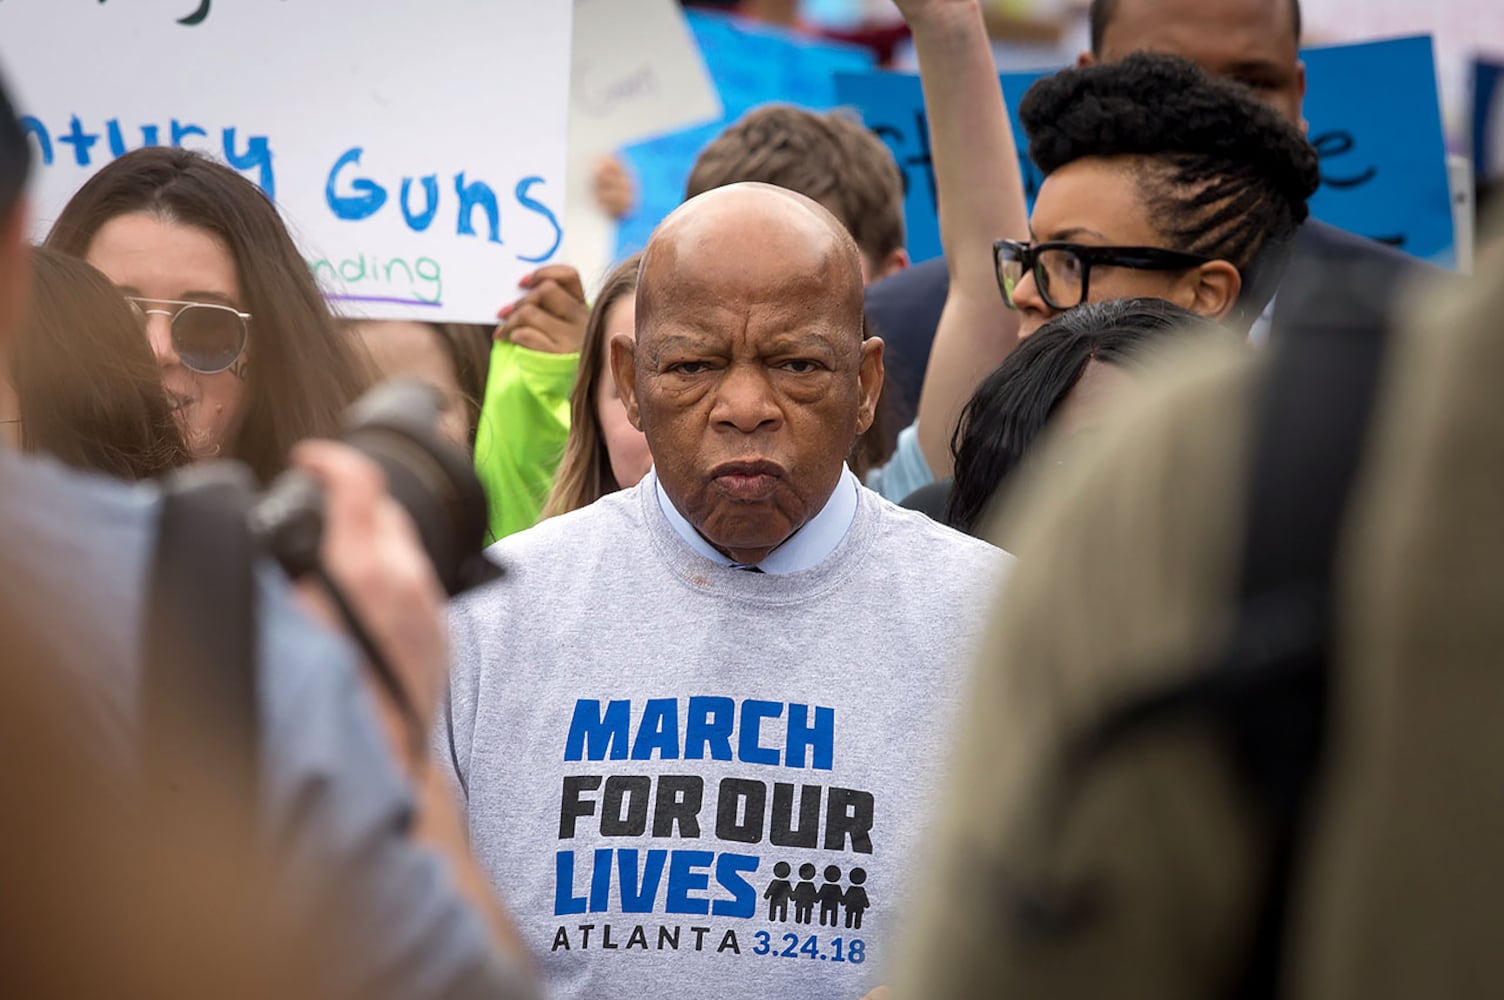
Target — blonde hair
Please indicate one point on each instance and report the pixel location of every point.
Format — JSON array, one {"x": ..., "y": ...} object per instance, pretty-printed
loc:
[{"x": 585, "y": 471}]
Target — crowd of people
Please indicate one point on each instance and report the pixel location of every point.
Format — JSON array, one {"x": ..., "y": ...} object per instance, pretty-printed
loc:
[{"x": 1011, "y": 606}]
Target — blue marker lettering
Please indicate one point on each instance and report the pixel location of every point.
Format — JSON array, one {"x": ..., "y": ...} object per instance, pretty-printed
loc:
[
  {"x": 526, "y": 201},
  {"x": 477, "y": 195},
  {"x": 80, "y": 140},
  {"x": 39, "y": 131},
  {"x": 418, "y": 223},
  {"x": 354, "y": 207},
  {"x": 116, "y": 137},
  {"x": 181, "y": 132},
  {"x": 258, "y": 157}
]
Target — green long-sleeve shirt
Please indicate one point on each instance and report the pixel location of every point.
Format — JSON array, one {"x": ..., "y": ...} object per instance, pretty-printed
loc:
[{"x": 524, "y": 422}]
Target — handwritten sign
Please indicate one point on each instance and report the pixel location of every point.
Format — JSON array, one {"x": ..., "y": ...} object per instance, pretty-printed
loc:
[
  {"x": 636, "y": 74},
  {"x": 750, "y": 65},
  {"x": 415, "y": 147},
  {"x": 1383, "y": 160}
]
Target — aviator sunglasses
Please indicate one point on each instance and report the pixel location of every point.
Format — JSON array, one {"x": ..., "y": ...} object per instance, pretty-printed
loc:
[{"x": 207, "y": 337}]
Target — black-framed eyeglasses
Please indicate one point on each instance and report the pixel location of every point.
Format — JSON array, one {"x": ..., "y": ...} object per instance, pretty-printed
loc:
[
  {"x": 208, "y": 337},
  {"x": 1062, "y": 271}
]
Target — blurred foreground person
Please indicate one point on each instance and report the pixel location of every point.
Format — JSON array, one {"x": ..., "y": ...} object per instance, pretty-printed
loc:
[
  {"x": 81, "y": 381},
  {"x": 701, "y": 706},
  {"x": 1236, "y": 732},
  {"x": 293, "y": 838}
]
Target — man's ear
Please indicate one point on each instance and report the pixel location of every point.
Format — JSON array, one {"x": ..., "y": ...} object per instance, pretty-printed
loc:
[
  {"x": 624, "y": 369},
  {"x": 15, "y": 271},
  {"x": 1086, "y": 59},
  {"x": 870, "y": 377},
  {"x": 1300, "y": 72},
  {"x": 896, "y": 261},
  {"x": 1213, "y": 289}
]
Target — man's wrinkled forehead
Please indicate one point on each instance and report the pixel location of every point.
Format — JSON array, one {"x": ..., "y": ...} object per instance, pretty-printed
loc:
[
  {"x": 1209, "y": 32},
  {"x": 736, "y": 250}
]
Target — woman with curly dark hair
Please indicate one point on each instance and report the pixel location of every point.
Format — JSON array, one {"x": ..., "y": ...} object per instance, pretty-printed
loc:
[{"x": 1159, "y": 181}]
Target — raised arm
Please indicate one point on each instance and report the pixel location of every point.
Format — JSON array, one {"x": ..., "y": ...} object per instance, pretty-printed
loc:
[{"x": 981, "y": 196}]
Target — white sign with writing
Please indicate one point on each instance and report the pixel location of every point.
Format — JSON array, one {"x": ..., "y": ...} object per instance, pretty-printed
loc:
[
  {"x": 637, "y": 74},
  {"x": 416, "y": 148}
]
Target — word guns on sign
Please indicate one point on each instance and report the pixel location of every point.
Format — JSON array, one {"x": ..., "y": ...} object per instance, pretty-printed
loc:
[{"x": 350, "y": 194}]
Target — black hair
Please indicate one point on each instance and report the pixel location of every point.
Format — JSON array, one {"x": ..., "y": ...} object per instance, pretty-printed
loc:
[
  {"x": 15, "y": 156},
  {"x": 1011, "y": 408},
  {"x": 1103, "y": 11},
  {"x": 1221, "y": 173}
]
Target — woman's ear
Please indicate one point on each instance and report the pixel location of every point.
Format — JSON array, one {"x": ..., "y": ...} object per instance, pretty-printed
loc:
[{"x": 1214, "y": 289}]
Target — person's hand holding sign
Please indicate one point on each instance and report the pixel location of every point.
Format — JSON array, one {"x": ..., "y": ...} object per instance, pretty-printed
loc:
[{"x": 551, "y": 316}]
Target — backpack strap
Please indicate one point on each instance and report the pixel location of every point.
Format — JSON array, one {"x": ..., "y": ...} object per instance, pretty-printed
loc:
[
  {"x": 199, "y": 649},
  {"x": 1311, "y": 427},
  {"x": 1269, "y": 690}
]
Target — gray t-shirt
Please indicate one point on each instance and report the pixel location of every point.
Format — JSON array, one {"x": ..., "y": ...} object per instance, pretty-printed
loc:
[
  {"x": 688, "y": 779},
  {"x": 76, "y": 559}
]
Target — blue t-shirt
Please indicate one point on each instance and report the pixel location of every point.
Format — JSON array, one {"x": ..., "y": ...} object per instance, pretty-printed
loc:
[{"x": 77, "y": 559}]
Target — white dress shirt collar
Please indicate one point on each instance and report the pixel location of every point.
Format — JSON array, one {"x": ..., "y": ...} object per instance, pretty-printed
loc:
[{"x": 804, "y": 549}]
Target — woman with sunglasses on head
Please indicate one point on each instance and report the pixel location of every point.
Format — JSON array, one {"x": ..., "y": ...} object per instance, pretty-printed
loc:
[{"x": 249, "y": 352}]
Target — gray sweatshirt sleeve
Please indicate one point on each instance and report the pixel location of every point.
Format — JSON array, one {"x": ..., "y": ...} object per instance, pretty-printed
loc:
[{"x": 383, "y": 910}]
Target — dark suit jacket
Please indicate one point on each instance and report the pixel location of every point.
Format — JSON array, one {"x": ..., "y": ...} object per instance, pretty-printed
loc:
[
  {"x": 1338, "y": 279},
  {"x": 1331, "y": 271},
  {"x": 904, "y": 310}
]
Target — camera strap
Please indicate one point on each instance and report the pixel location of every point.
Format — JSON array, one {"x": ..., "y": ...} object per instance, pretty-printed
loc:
[{"x": 199, "y": 651}]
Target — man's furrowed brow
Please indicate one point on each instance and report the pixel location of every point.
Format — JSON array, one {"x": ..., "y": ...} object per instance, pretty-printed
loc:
[{"x": 670, "y": 343}]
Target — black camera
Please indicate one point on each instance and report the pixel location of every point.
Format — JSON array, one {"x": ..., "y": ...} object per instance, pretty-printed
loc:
[{"x": 396, "y": 426}]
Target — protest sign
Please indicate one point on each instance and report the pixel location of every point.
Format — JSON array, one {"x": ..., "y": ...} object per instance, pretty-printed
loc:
[
  {"x": 750, "y": 65},
  {"x": 1488, "y": 121},
  {"x": 636, "y": 74},
  {"x": 415, "y": 148},
  {"x": 1383, "y": 161}
]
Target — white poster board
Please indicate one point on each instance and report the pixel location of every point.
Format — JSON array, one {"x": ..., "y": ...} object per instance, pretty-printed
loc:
[
  {"x": 636, "y": 74},
  {"x": 416, "y": 148}
]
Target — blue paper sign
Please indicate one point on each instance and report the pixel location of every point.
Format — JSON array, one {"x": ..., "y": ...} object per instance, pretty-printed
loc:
[
  {"x": 750, "y": 65},
  {"x": 1374, "y": 116},
  {"x": 1488, "y": 121}
]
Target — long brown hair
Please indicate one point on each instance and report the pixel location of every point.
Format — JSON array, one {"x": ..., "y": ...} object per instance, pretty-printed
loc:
[
  {"x": 585, "y": 472},
  {"x": 469, "y": 348},
  {"x": 305, "y": 372},
  {"x": 89, "y": 390}
]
